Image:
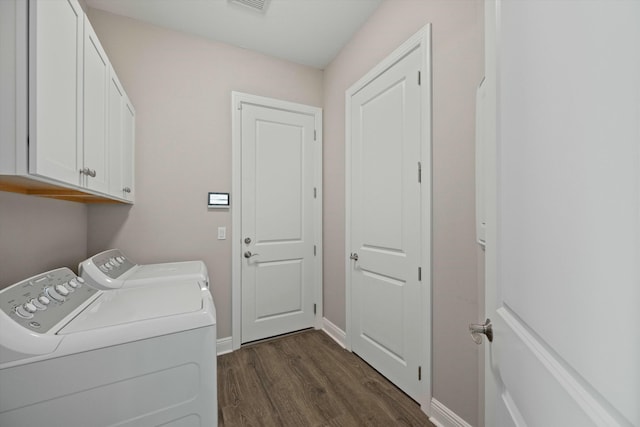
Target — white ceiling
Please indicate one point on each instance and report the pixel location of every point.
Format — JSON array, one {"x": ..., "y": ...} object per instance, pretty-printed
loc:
[{"x": 309, "y": 32}]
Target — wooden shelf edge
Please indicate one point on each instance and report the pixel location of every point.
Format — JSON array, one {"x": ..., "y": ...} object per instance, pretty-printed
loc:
[{"x": 35, "y": 188}]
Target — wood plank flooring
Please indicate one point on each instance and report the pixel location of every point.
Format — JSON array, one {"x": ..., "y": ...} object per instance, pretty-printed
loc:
[{"x": 306, "y": 379}]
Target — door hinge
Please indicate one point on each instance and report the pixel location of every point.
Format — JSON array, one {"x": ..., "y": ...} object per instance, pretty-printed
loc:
[
  {"x": 314, "y": 135},
  {"x": 314, "y": 309},
  {"x": 419, "y": 78},
  {"x": 314, "y": 250},
  {"x": 419, "y": 373},
  {"x": 315, "y": 192},
  {"x": 419, "y": 172},
  {"x": 419, "y": 274}
]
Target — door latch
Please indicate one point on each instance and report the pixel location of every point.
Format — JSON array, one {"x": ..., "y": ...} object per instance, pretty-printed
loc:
[{"x": 477, "y": 331}]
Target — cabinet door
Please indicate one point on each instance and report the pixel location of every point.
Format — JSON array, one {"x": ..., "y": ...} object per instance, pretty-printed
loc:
[
  {"x": 55, "y": 96},
  {"x": 116, "y": 135},
  {"x": 96, "y": 95},
  {"x": 121, "y": 141},
  {"x": 128, "y": 158}
]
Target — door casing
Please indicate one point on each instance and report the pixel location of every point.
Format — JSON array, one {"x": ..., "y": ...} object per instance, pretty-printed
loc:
[
  {"x": 237, "y": 100},
  {"x": 422, "y": 41}
]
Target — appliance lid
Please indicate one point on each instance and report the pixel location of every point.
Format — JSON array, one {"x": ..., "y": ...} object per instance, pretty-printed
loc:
[
  {"x": 185, "y": 269},
  {"x": 128, "y": 305}
]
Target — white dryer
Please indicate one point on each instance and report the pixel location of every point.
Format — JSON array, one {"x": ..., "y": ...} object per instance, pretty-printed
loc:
[
  {"x": 112, "y": 269},
  {"x": 74, "y": 356}
]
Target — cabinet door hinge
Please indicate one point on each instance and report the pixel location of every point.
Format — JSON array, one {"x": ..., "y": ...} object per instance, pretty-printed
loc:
[
  {"x": 419, "y": 78},
  {"x": 314, "y": 250},
  {"x": 419, "y": 172},
  {"x": 419, "y": 274},
  {"x": 315, "y": 192},
  {"x": 419, "y": 373},
  {"x": 314, "y": 309}
]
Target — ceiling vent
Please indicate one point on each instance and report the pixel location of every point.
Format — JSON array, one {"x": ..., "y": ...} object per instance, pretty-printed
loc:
[{"x": 257, "y": 5}]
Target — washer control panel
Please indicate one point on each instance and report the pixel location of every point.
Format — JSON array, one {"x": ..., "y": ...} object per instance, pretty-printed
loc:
[
  {"x": 40, "y": 302},
  {"x": 112, "y": 263}
]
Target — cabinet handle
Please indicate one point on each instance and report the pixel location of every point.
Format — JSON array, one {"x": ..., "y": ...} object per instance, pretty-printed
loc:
[
  {"x": 87, "y": 171},
  {"x": 126, "y": 190}
]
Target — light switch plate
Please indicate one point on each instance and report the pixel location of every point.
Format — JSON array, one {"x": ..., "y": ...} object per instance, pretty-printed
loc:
[{"x": 222, "y": 233}]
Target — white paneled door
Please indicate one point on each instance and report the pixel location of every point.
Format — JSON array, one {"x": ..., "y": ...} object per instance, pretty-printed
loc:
[
  {"x": 278, "y": 268},
  {"x": 563, "y": 236},
  {"x": 386, "y": 225}
]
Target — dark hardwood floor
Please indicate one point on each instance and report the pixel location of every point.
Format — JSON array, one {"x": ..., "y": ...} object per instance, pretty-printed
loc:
[{"x": 306, "y": 379}]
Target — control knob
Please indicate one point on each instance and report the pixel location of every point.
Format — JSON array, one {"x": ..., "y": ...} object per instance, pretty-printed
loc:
[
  {"x": 30, "y": 307},
  {"x": 37, "y": 304},
  {"x": 22, "y": 312},
  {"x": 62, "y": 290},
  {"x": 53, "y": 294}
]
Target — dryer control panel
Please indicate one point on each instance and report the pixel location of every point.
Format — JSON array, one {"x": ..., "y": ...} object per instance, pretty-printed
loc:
[
  {"x": 113, "y": 263},
  {"x": 42, "y": 301}
]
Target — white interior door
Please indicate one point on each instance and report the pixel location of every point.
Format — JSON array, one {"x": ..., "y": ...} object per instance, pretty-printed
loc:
[
  {"x": 563, "y": 236},
  {"x": 277, "y": 221},
  {"x": 386, "y": 227}
]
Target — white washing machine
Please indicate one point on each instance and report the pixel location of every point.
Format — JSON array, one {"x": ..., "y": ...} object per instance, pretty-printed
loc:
[
  {"x": 112, "y": 269},
  {"x": 75, "y": 356}
]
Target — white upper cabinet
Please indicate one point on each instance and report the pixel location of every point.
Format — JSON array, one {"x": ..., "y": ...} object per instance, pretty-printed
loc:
[
  {"x": 95, "y": 172},
  {"x": 116, "y": 113},
  {"x": 121, "y": 141},
  {"x": 128, "y": 159},
  {"x": 55, "y": 90},
  {"x": 67, "y": 126}
]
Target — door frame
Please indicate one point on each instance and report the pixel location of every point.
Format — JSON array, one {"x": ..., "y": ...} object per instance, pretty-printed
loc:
[
  {"x": 237, "y": 100},
  {"x": 422, "y": 41},
  {"x": 489, "y": 182}
]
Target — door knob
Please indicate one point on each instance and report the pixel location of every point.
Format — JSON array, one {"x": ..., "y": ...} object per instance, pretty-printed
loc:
[
  {"x": 248, "y": 254},
  {"x": 477, "y": 331}
]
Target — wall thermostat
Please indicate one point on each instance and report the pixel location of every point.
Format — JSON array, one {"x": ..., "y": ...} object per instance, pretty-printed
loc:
[{"x": 218, "y": 200}]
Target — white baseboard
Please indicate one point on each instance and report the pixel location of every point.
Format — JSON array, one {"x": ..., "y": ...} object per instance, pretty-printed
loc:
[
  {"x": 442, "y": 416},
  {"x": 224, "y": 345},
  {"x": 334, "y": 332}
]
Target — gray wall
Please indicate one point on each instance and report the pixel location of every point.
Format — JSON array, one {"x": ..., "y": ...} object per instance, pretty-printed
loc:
[
  {"x": 38, "y": 234},
  {"x": 457, "y": 46}
]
